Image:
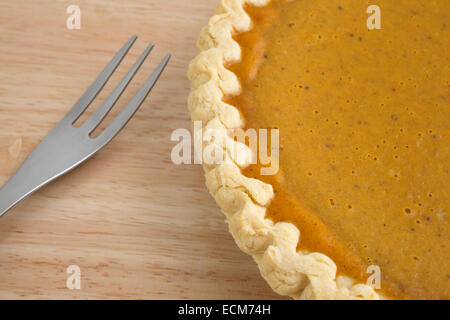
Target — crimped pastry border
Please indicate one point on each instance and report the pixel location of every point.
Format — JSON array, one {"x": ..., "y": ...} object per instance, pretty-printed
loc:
[{"x": 300, "y": 275}]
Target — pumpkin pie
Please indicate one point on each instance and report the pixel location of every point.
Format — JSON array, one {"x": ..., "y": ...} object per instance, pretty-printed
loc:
[{"x": 363, "y": 116}]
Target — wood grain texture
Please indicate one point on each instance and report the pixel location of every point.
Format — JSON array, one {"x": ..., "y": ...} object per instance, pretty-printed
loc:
[{"x": 137, "y": 225}]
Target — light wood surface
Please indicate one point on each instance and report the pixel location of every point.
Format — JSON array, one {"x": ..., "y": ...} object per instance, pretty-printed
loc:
[{"x": 137, "y": 225}]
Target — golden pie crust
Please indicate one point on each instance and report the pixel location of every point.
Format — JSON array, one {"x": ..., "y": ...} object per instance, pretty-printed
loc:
[{"x": 298, "y": 274}]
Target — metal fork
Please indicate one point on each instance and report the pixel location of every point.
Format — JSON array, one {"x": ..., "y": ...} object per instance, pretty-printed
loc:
[{"x": 65, "y": 147}]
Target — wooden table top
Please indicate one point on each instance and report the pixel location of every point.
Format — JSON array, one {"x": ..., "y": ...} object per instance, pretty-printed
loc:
[{"x": 137, "y": 225}]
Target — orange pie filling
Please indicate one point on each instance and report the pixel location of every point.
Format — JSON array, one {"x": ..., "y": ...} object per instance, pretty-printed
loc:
[{"x": 364, "y": 119}]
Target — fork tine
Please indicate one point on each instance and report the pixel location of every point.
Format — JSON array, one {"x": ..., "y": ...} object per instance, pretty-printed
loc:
[
  {"x": 90, "y": 94},
  {"x": 92, "y": 123},
  {"x": 127, "y": 113}
]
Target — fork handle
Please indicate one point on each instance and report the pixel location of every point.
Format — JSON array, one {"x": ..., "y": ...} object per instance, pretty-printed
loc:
[
  {"x": 13, "y": 192},
  {"x": 42, "y": 166},
  {"x": 37, "y": 170},
  {"x": 24, "y": 182}
]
